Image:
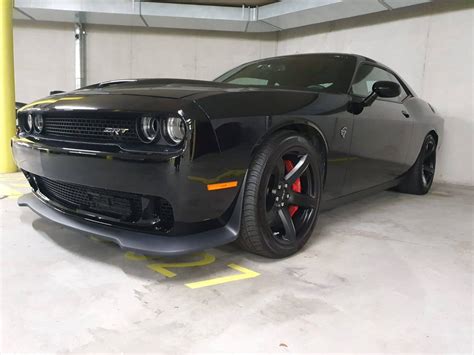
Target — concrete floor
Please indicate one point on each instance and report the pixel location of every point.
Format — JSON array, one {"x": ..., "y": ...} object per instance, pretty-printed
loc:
[{"x": 390, "y": 273}]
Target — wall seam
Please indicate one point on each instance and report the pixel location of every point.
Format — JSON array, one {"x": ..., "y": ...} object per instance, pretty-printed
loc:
[{"x": 425, "y": 58}]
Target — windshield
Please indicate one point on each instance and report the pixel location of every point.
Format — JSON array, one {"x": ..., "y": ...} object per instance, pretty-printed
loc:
[{"x": 318, "y": 72}]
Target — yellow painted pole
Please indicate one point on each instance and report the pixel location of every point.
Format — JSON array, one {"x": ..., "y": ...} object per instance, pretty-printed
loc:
[{"x": 7, "y": 87}]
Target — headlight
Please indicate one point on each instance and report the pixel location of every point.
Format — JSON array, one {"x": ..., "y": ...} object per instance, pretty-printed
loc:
[
  {"x": 149, "y": 128},
  {"x": 176, "y": 129},
  {"x": 29, "y": 123},
  {"x": 39, "y": 123}
]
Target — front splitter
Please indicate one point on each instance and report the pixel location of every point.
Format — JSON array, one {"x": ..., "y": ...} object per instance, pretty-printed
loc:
[{"x": 139, "y": 242}]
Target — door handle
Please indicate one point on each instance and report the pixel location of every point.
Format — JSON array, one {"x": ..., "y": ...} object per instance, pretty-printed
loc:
[{"x": 406, "y": 114}]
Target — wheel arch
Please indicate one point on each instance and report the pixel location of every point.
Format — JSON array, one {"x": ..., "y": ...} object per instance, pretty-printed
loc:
[
  {"x": 431, "y": 132},
  {"x": 306, "y": 128},
  {"x": 418, "y": 146},
  {"x": 434, "y": 134}
]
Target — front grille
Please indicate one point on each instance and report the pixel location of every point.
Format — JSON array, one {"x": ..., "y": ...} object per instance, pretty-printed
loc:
[
  {"x": 121, "y": 206},
  {"x": 91, "y": 129}
]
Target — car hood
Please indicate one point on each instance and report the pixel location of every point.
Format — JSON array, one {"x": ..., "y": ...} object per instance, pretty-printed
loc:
[
  {"x": 166, "y": 88},
  {"x": 216, "y": 99},
  {"x": 130, "y": 94}
]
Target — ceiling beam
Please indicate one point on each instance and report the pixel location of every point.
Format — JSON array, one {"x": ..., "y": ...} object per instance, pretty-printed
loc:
[{"x": 275, "y": 16}]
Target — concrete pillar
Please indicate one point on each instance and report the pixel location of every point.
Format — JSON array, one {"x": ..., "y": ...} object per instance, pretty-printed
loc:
[{"x": 7, "y": 87}]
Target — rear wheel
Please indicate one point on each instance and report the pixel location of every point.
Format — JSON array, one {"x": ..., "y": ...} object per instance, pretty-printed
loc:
[
  {"x": 282, "y": 196},
  {"x": 419, "y": 178}
]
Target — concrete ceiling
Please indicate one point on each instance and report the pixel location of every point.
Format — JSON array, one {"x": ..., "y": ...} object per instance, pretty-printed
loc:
[
  {"x": 272, "y": 16},
  {"x": 237, "y": 3}
]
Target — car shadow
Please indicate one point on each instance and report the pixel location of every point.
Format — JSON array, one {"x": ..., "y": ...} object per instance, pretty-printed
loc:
[
  {"x": 90, "y": 247},
  {"x": 87, "y": 246}
]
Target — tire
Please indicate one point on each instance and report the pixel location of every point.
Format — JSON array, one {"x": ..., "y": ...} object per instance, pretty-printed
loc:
[
  {"x": 419, "y": 178},
  {"x": 282, "y": 196}
]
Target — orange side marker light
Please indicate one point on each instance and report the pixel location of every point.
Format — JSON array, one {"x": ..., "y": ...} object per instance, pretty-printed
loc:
[{"x": 222, "y": 185}]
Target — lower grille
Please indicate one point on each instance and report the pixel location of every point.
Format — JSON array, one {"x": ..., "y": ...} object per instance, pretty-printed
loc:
[{"x": 121, "y": 206}]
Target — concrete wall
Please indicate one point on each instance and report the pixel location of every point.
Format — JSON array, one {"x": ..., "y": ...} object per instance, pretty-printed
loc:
[
  {"x": 44, "y": 54},
  {"x": 431, "y": 47},
  {"x": 140, "y": 52},
  {"x": 44, "y": 58}
]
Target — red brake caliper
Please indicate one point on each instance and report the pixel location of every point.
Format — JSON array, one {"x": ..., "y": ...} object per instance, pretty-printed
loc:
[{"x": 296, "y": 187}]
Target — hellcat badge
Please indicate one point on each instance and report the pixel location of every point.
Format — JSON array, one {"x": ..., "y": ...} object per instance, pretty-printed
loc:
[{"x": 343, "y": 132}]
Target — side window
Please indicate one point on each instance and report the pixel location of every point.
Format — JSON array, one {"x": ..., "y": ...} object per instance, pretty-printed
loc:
[{"x": 367, "y": 75}]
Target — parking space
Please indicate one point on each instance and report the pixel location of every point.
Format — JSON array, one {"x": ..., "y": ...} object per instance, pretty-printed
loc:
[{"x": 388, "y": 273}]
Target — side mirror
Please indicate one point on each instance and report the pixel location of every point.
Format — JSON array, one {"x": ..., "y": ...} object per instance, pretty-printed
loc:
[
  {"x": 382, "y": 89},
  {"x": 386, "y": 89}
]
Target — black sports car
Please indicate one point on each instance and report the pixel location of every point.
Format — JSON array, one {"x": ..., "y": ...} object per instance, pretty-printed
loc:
[{"x": 167, "y": 166}]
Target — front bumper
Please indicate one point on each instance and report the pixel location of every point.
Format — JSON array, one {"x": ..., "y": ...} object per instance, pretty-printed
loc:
[
  {"x": 202, "y": 218},
  {"x": 174, "y": 176},
  {"x": 139, "y": 242}
]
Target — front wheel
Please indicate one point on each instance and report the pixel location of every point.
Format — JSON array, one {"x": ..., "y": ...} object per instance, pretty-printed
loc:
[{"x": 282, "y": 196}]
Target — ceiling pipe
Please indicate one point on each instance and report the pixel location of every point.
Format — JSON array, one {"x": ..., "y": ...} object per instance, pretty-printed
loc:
[{"x": 80, "y": 55}]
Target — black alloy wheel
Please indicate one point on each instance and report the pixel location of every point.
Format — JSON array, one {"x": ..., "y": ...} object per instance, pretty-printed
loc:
[
  {"x": 289, "y": 191},
  {"x": 429, "y": 162},
  {"x": 419, "y": 178},
  {"x": 282, "y": 196}
]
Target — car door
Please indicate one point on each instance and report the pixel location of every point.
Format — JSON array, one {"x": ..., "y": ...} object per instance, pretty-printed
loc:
[{"x": 380, "y": 132}]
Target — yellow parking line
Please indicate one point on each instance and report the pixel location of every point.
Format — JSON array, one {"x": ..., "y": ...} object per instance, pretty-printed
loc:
[
  {"x": 21, "y": 185},
  {"x": 99, "y": 240},
  {"x": 13, "y": 177},
  {"x": 130, "y": 255},
  {"x": 162, "y": 267},
  {"x": 244, "y": 274},
  {"x": 8, "y": 191}
]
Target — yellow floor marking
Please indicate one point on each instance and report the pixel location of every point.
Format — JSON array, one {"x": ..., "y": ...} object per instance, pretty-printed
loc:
[
  {"x": 130, "y": 255},
  {"x": 162, "y": 268},
  {"x": 21, "y": 185},
  {"x": 95, "y": 239},
  {"x": 100, "y": 240},
  {"x": 8, "y": 191},
  {"x": 11, "y": 179},
  {"x": 244, "y": 274}
]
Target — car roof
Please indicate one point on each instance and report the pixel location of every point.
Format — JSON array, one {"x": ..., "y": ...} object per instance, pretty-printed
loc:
[{"x": 360, "y": 58}]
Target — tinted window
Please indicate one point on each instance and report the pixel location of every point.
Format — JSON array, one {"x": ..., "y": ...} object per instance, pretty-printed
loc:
[
  {"x": 330, "y": 73},
  {"x": 367, "y": 75}
]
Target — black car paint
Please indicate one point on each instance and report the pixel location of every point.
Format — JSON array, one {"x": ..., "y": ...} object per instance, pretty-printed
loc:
[
  {"x": 19, "y": 105},
  {"x": 228, "y": 124}
]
